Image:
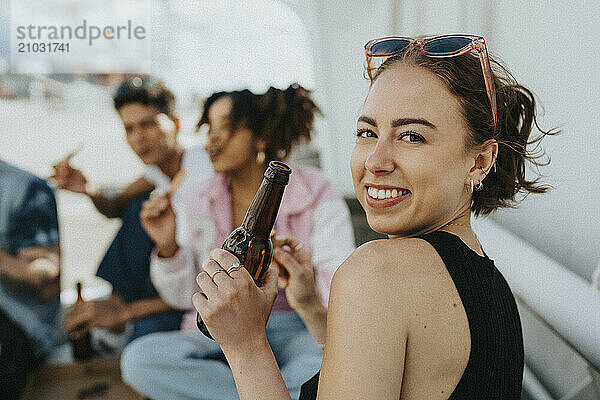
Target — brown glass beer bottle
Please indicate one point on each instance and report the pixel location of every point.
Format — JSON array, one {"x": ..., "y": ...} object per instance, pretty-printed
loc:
[
  {"x": 82, "y": 347},
  {"x": 251, "y": 242}
]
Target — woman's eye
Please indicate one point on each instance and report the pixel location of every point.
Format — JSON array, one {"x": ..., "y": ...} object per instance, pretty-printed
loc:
[
  {"x": 411, "y": 137},
  {"x": 365, "y": 133}
]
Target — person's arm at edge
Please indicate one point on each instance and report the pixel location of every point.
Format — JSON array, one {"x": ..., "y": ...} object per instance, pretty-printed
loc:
[
  {"x": 21, "y": 274},
  {"x": 34, "y": 269},
  {"x": 113, "y": 207}
]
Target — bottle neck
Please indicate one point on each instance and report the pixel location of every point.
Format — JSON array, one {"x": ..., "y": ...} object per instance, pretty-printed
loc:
[
  {"x": 261, "y": 214},
  {"x": 79, "y": 296}
]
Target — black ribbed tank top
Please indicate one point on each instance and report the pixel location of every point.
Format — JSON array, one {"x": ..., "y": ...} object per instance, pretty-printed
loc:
[{"x": 495, "y": 366}]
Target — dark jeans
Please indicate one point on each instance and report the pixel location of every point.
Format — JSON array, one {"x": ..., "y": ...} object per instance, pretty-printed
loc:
[{"x": 16, "y": 359}]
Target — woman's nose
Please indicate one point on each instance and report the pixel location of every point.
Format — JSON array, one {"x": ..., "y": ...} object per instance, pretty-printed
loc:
[{"x": 380, "y": 161}]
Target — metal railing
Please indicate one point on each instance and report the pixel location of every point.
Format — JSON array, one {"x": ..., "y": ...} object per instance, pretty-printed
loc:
[{"x": 567, "y": 305}]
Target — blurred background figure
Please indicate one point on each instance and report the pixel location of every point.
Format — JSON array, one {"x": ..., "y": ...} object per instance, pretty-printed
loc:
[
  {"x": 29, "y": 275},
  {"x": 147, "y": 109},
  {"x": 245, "y": 132}
]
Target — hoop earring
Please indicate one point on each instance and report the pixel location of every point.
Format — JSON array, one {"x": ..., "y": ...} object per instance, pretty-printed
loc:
[
  {"x": 484, "y": 173},
  {"x": 479, "y": 186},
  {"x": 260, "y": 157}
]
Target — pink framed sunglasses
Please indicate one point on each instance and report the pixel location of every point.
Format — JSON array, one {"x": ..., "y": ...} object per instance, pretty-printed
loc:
[{"x": 436, "y": 47}]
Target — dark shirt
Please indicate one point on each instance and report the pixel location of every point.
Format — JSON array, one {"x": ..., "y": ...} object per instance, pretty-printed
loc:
[
  {"x": 495, "y": 366},
  {"x": 28, "y": 218}
]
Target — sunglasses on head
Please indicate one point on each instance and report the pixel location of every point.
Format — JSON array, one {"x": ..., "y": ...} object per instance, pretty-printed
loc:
[{"x": 436, "y": 47}]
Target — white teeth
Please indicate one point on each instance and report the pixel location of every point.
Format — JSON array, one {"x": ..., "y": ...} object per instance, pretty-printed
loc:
[{"x": 381, "y": 194}]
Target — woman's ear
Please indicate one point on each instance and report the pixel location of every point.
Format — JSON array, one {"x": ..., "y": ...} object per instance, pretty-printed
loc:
[{"x": 484, "y": 160}]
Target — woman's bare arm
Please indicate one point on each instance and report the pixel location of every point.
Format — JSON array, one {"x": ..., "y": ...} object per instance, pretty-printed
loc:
[
  {"x": 367, "y": 327},
  {"x": 257, "y": 374}
]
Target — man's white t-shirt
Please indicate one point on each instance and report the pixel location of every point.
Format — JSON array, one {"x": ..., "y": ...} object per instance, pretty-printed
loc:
[{"x": 195, "y": 161}]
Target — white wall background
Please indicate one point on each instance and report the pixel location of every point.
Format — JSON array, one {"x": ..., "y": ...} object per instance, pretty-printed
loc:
[{"x": 551, "y": 47}]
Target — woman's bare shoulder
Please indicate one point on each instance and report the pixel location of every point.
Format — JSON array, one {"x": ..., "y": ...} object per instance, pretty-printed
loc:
[
  {"x": 387, "y": 268},
  {"x": 402, "y": 257}
]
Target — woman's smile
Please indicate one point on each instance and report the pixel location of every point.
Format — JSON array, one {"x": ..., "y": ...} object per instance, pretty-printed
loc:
[{"x": 382, "y": 196}]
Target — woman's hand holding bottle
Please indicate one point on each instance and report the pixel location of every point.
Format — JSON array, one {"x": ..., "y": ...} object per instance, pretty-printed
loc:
[{"x": 233, "y": 308}]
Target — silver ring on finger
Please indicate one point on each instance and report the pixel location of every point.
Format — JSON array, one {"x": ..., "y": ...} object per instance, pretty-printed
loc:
[
  {"x": 234, "y": 267},
  {"x": 299, "y": 246},
  {"x": 215, "y": 273}
]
